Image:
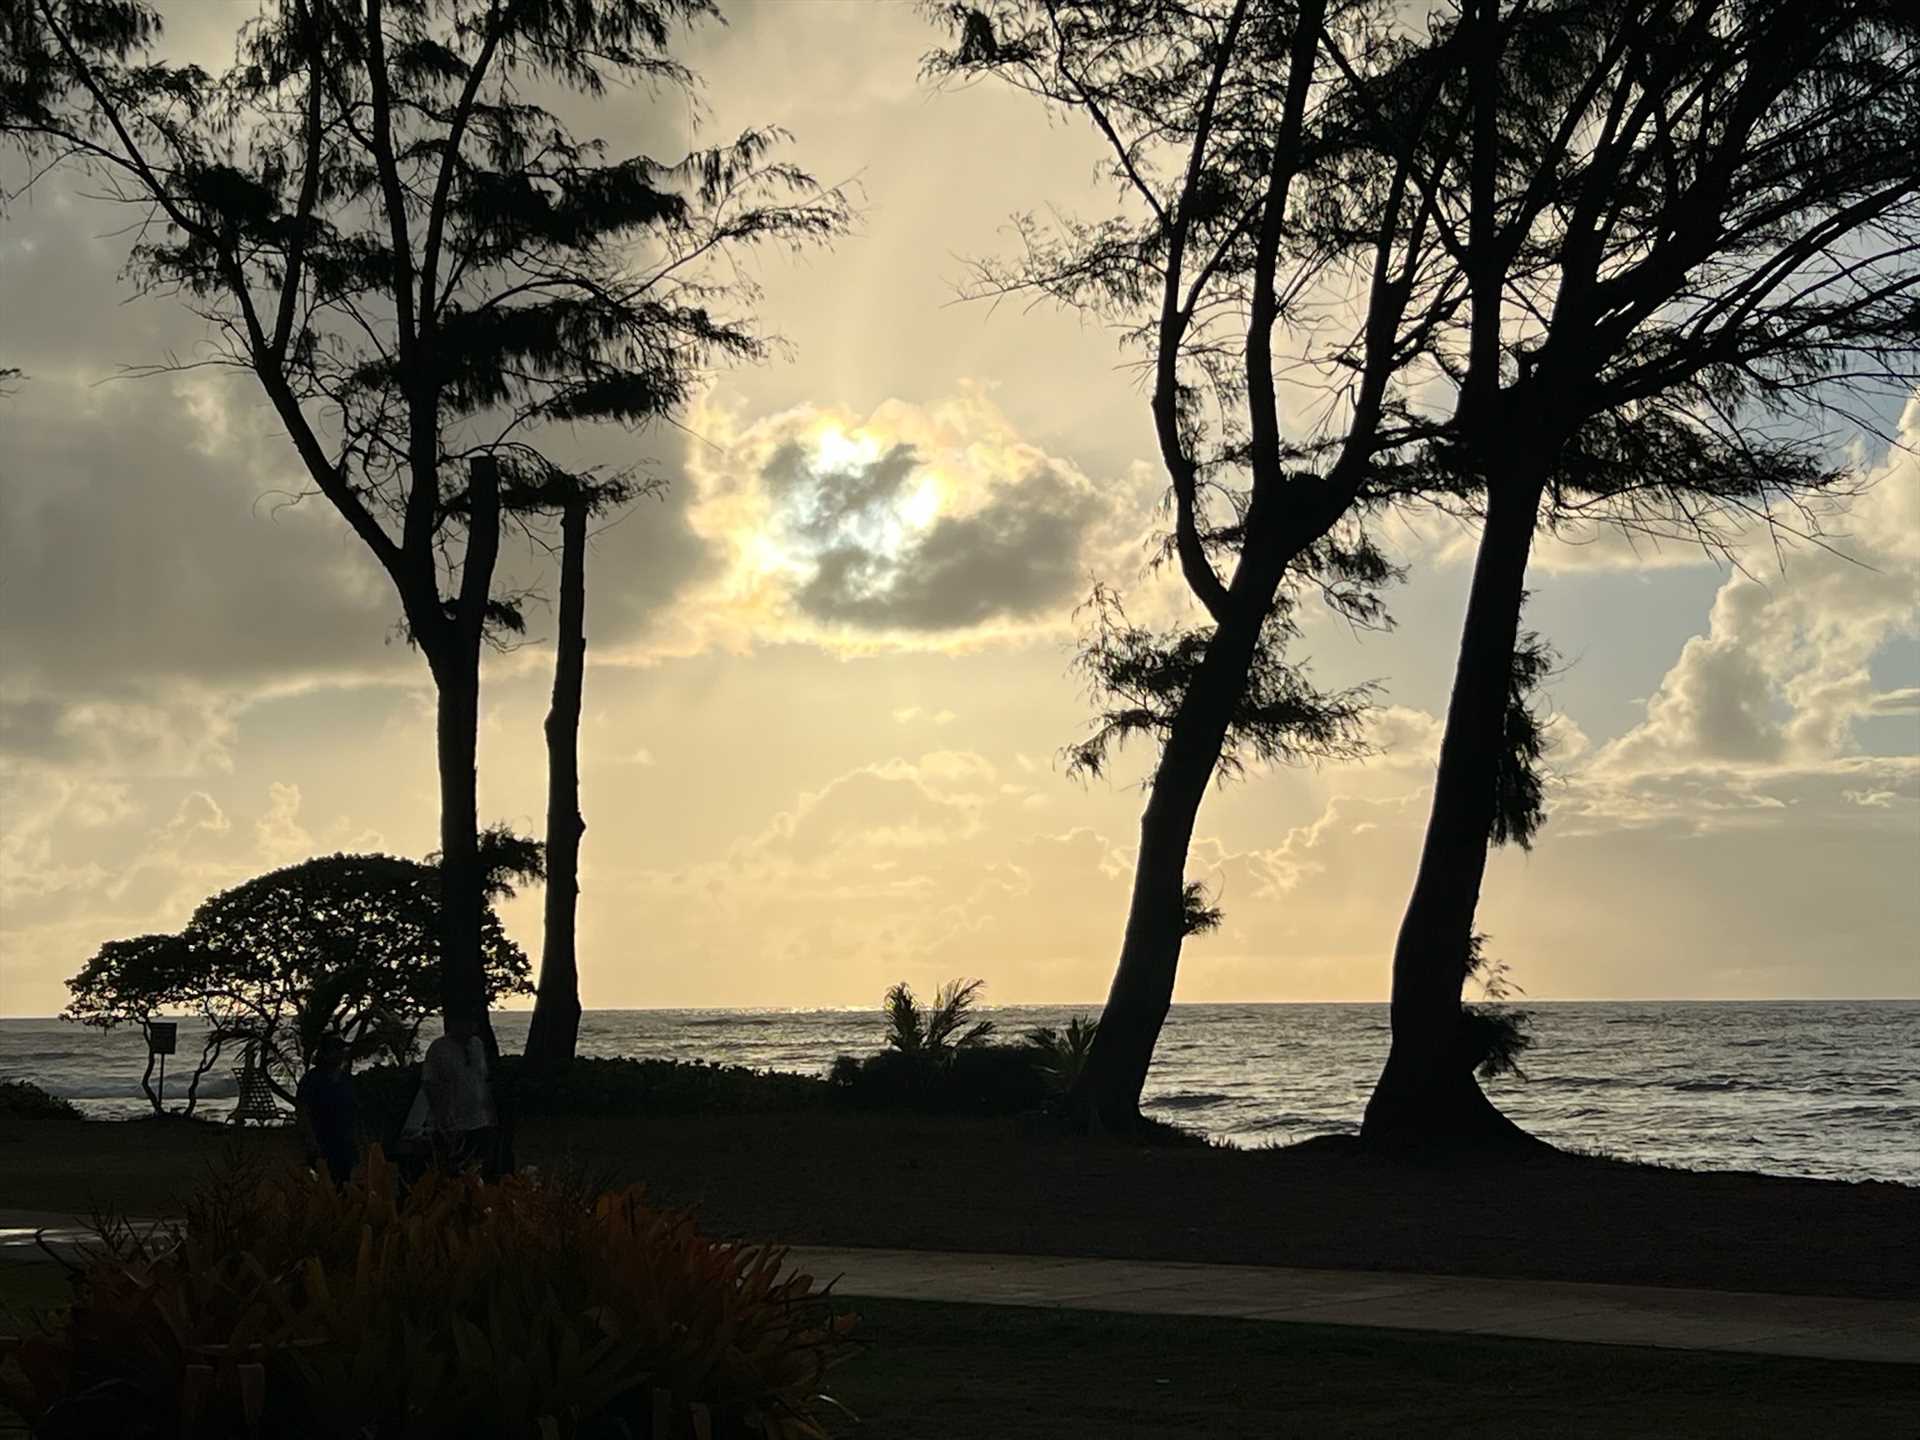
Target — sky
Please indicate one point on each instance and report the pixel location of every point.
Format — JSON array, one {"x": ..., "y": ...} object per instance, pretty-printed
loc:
[{"x": 830, "y": 668}]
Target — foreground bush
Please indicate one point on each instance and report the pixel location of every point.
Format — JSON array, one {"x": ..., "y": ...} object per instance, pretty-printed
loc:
[
  {"x": 282, "y": 1307},
  {"x": 20, "y": 1100}
]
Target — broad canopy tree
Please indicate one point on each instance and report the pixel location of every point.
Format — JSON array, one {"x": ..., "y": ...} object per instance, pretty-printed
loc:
[
  {"x": 425, "y": 270},
  {"x": 345, "y": 945}
]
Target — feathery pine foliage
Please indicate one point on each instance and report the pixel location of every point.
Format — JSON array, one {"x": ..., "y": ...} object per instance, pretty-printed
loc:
[
  {"x": 1137, "y": 678},
  {"x": 383, "y": 217},
  {"x": 1520, "y": 800},
  {"x": 1492, "y": 1036}
]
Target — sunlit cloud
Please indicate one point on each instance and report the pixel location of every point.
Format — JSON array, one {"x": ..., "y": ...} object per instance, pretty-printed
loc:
[{"x": 930, "y": 527}]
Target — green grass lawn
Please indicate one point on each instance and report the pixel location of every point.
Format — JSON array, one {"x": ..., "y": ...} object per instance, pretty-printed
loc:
[
  {"x": 970, "y": 1370},
  {"x": 950, "y": 1371}
]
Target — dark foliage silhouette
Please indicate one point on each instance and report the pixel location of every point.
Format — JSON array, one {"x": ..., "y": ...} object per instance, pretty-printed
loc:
[
  {"x": 385, "y": 223},
  {"x": 939, "y": 1059},
  {"x": 345, "y": 945},
  {"x": 281, "y": 1305},
  {"x": 1252, "y": 186},
  {"x": 1688, "y": 232}
]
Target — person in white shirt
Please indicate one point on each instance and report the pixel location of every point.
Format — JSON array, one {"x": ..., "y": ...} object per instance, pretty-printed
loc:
[{"x": 459, "y": 1093}]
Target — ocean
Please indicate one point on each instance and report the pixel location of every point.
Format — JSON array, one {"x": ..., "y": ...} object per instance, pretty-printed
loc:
[{"x": 1819, "y": 1088}]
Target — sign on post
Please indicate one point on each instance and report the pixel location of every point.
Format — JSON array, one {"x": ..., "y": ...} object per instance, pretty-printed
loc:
[{"x": 160, "y": 1040}]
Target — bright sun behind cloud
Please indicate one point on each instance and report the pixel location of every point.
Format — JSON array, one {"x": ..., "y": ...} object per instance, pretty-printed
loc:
[
  {"x": 842, "y": 505},
  {"x": 920, "y": 527},
  {"x": 835, "y": 450}
]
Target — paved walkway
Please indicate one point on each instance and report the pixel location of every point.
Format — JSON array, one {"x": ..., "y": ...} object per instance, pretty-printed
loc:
[
  {"x": 1819, "y": 1326},
  {"x": 1828, "y": 1328}
]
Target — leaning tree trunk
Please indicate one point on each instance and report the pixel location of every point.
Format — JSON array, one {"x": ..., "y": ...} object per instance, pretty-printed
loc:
[
  {"x": 1427, "y": 1093},
  {"x": 1106, "y": 1097},
  {"x": 555, "y": 1031}
]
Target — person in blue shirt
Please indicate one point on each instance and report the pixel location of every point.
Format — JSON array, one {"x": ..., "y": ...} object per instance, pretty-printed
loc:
[{"x": 324, "y": 1105}]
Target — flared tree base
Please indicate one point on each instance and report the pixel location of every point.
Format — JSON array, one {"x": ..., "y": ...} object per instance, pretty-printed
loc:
[{"x": 1426, "y": 1108}]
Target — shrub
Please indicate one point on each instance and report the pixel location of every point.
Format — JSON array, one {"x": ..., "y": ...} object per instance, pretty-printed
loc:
[
  {"x": 22, "y": 1100},
  {"x": 940, "y": 1059},
  {"x": 979, "y": 1080},
  {"x": 938, "y": 1031},
  {"x": 606, "y": 1085},
  {"x": 1062, "y": 1054},
  {"x": 281, "y": 1306}
]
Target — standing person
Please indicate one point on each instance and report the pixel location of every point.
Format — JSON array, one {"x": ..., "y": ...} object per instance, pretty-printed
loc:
[
  {"x": 324, "y": 1108},
  {"x": 459, "y": 1091}
]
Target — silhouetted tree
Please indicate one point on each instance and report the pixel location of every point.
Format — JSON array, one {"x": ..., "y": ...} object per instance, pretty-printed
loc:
[
  {"x": 346, "y": 945},
  {"x": 422, "y": 266},
  {"x": 935, "y": 1032},
  {"x": 135, "y": 982},
  {"x": 1684, "y": 226},
  {"x": 1252, "y": 191},
  {"x": 555, "y": 1030},
  {"x": 554, "y": 1033}
]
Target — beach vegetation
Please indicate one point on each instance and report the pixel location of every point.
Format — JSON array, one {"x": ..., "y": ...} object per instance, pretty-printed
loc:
[
  {"x": 23, "y": 1100},
  {"x": 936, "y": 1033},
  {"x": 941, "y": 1058},
  {"x": 603, "y": 1086},
  {"x": 387, "y": 221},
  {"x": 1061, "y": 1053},
  {"x": 345, "y": 945},
  {"x": 281, "y": 1305}
]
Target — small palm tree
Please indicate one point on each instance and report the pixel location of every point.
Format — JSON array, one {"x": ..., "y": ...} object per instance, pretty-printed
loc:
[
  {"x": 1062, "y": 1054},
  {"x": 937, "y": 1032}
]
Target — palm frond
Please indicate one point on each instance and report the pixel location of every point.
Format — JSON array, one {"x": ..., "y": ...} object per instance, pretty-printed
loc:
[{"x": 907, "y": 1029}]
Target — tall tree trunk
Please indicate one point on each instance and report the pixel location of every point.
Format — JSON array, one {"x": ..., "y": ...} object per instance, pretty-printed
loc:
[
  {"x": 555, "y": 1031},
  {"x": 454, "y": 657},
  {"x": 462, "y": 986},
  {"x": 1427, "y": 1092},
  {"x": 1107, "y": 1094}
]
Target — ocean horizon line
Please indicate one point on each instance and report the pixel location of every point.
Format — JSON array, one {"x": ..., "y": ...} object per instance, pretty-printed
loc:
[{"x": 1521, "y": 1001}]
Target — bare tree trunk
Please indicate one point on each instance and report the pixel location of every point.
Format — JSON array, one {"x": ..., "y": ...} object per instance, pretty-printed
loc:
[
  {"x": 1427, "y": 1092},
  {"x": 1107, "y": 1094},
  {"x": 146, "y": 1080},
  {"x": 462, "y": 989},
  {"x": 209, "y": 1057},
  {"x": 555, "y": 1031},
  {"x": 455, "y": 661}
]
